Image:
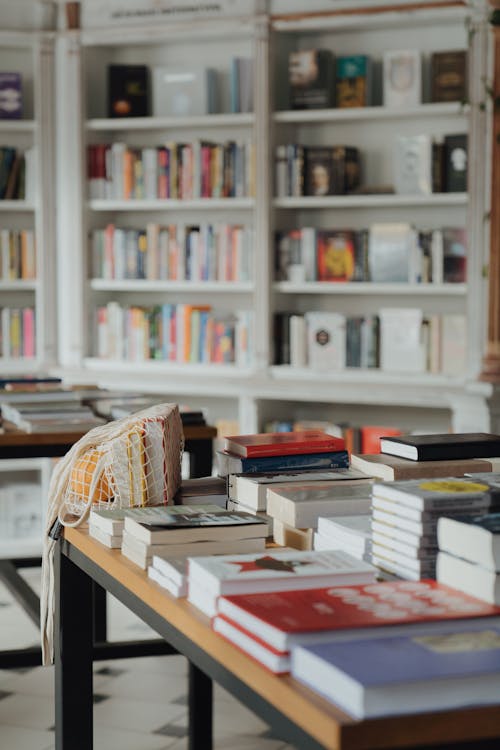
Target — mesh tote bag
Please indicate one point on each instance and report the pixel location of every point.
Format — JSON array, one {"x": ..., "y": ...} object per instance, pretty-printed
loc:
[{"x": 130, "y": 462}]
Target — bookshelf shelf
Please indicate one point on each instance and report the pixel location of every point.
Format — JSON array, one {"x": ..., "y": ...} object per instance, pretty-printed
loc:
[
  {"x": 237, "y": 120},
  {"x": 369, "y": 288},
  {"x": 190, "y": 287},
  {"x": 367, "y": 377},
  {"x": 363, "y": 114},
  {"x": 16, "y": 206},
  {"x": 209, "y": 204},
  {"x": 211, "y": 371},
  {"x": 391, "y": 200},
  {"x": 17, "y": 126},
  {"x": 29, "y": 285},
  {"x": 21, "y": 365}
]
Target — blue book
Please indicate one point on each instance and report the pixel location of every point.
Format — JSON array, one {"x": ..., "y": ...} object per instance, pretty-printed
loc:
[
  {"x": 229, "y": 464},
  {"x": 387, "y": 676}
]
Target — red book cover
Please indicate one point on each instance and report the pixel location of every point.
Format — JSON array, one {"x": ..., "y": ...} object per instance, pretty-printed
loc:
[
  {"x": 279, "y": 618},
  {"x": 283, "y": 443},
  {"x": 371, "y": 434}
]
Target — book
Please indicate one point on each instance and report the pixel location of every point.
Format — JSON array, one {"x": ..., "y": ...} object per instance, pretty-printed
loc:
[
  {"x": 285, "y": 619},
  {"x": 390, "y": 249},
  {"x": 335, "y": 253},
  {"x": 388, "y": 467},
  {"x": 301, "y": 505},
  {"x": 241, "y": 85},
  {"x": 109, "y": 540},
  {"x": 474, "y": 538},
  {"x": 326, "y": 340},
  {"x": 276, "y": 662},
  {"x": 195, "y": 525},
  {"x": 290, "y": 536},
  {"x": 282, "y": 443},
  {"x": 404, "y": 674},
  {"x": 401, "y": 341},
  {"x": 454, "y": 255},
  {"x": 439, "y": 494},
  {"x": 331, "y": 170},
  {"x": 449, "y": 76},
  {"x": 412, "y": 164},
  {"x": 174, "y": 568},
  {"x": 112, "y": 520},
  {"x": 442, "y": 446},
  {"x": 174, "y": 588},
  {"x": 468, "y": 577},
  {"x": 11, "y": 96},
  {"x": 251, "y": 490},
  {"x": 272, "y": 571},
  {"x": 229, "y": 464},
  {"x": 311, "y": 78},
  {"x": 142, "y": 554},
  {"x": 402, "y": 78},
  {"x": 128, "y": 91},
  {"x": 353, "y": 532},
  {"x": 353, "y": 81},
  {"x": 184, "y": 91},
  {"x": 455, "y": 163}
]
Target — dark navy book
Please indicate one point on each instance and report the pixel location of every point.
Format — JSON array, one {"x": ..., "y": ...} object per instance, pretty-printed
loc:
[
  {"x": 231, "y": 464},
  {"x": 11, "y": 97}
]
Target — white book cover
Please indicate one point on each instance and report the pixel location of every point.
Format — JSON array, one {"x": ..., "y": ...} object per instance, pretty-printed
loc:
[
  {"x": 326, "y": 340},
  {"x": 389, "y": 252},
  {"x": 173, "y": 587},
  {"x": 276, "y": 571},
  {"x": 401, "y": 346},
  {"x": 402, "y": 78},
  {"x": 183, "y": 91},
  {"x": 412, "y": 164}
]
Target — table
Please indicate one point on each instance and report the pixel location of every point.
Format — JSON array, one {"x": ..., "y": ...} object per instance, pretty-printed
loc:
[
  {"x": 18, "y": 444},
  {"x": 295, "y": 713}
]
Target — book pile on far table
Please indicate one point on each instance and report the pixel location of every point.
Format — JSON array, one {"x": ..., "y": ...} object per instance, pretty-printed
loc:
[{"x": 351, "y": 534}]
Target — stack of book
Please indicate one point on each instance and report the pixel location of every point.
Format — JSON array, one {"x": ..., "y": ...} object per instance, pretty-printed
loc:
[
  {"x": 270, "y": 626},
  {"x": 351, "y": 534},
  {"x": 281, "y": 451},
  {"x": 106, "y": 525},
  {"x": 183, "y": 530},
  {"x": 469, "y": 554},
  {"x": 296, "y": 508},
  {"x": 170, "y": 574},
  {"x": 273, "y": 570},
  {"x": 393, "y": 468},
  {"x": 57, "y": 411}
]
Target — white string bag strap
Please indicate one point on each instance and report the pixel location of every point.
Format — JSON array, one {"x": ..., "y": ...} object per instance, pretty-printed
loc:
[{"x": 59, "y": 487}]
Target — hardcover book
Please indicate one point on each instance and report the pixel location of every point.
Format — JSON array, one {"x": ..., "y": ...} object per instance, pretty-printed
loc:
[
  {"x": 302, "y": 505},
  {"x": 402, "y": 78},
  {"x": 405, "y": 674},
  {"x": 183, "y": 92},
  {"x": 474, "y": 538},
  {"x": 227, "y": 463},
  {"x": 311, "y": 76},
  {"x": 454, "y": 255},
  {"x": 331, "y": 170},
  {"x": 282, "y": 443},
  {"x": 11, "y": 96},
  {"x": 277, "y": 662},
  {"x": 353, "y": 81},
  {"x": 455, "y": 163},
  {"x": 413, "y": 165},
  {"x": 449, "y": 76},
  {"x": 326, "y": 340},
  {"x": 128, "y": 91},
  {"x": 443, "y": 446},
  {"x": 335, "y": 255},
  {"x": 390, "y": 249},
  {"x": 284, "y": 619},
  {"x": 390, "y": 468}
]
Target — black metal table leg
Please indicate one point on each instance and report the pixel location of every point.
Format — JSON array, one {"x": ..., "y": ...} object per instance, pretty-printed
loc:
[
  {"x": 73, "y": 655},
  {"x": 200, "y": 709},
  {"x": 100, "y": 613}
]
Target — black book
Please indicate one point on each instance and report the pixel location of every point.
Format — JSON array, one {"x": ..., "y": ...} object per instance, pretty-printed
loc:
[
  {"x": 455, "y": 163},
  {"x": 128, "y": 91},
  {"x": 311, "y": 75},
  {"x": 442, "y": 447}
]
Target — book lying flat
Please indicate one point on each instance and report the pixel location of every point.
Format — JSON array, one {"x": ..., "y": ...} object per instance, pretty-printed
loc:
[
  {"x": 284, "y": 619},
  {"x": 405, "y": 674},
  {"x": 440, "y": 494},
  {"x": 468, "y": 577},
  {"x": 442, "y": 447},
  {"x": 393, "y": 468},
  {"x": 191, "y": 527},
  {"x": 112, "y": 520},
  {"x": 173, "y": 587},
  {"x": 228, "y": 463},
  {"x": 282, "y": 443},
  {"x": 276, "y": 662},
  {"x": 301, "y": 505},
  {"x": 142, "y": 554},
  {"x": 475, "y": 538}
]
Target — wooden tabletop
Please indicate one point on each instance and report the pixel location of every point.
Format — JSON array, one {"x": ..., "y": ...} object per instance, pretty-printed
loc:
[
  {"x": 319, "y": 718},
  {"x": 14, "y": 438}
]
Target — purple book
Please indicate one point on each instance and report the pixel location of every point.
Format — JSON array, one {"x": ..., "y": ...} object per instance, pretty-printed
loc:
[{"x": 11, "y": 99}]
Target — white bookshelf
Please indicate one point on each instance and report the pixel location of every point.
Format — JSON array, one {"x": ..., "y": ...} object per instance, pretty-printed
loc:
[{"x": 268, "y": 36}]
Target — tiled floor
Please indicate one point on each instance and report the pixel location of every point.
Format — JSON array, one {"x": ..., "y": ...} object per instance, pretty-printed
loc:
[{"x": 140, "y": 704}]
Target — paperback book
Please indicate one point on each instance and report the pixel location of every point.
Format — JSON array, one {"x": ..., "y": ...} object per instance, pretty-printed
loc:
[
  {"x": 11, "y": 96},
  {"x": 302, "y": 505},
  {"x": 469, "y": 577},
  {"x": 353, "y": 81},
  {"x": 405, "y": 674},
  {"x": 439, "y": 494},
  {"x": 282, "y": 443},
  {"x": 311, "y": 76},
  {"x": 272, "y": 571},
  {"x": 475, "y": 538},
  {"x": 402, "y": 78},
  {"x": 389, "y": 468},
  {"x": 128, "y": 91},
  {"x": 228, "y": 463}
]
